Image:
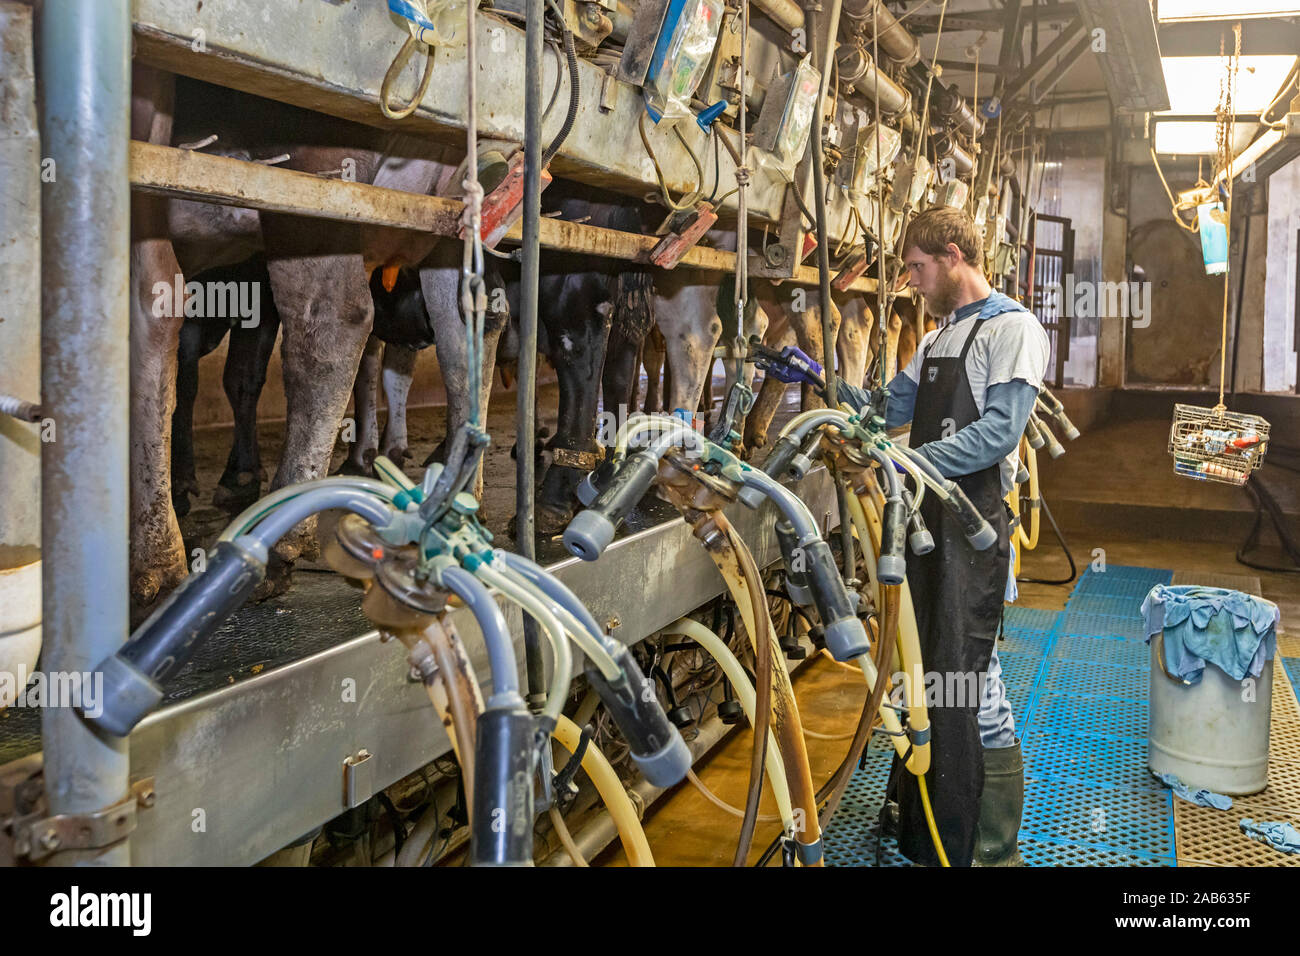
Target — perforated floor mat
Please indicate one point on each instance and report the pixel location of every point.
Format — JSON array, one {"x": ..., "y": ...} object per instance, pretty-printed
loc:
[{"x": 1078, "y": 682}]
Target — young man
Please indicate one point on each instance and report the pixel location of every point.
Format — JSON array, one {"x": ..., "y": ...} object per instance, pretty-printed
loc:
[{"x": 968, "y": 392}]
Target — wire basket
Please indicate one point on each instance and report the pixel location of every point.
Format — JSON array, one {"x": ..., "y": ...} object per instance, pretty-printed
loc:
[{"x": 1214, "y": 444}]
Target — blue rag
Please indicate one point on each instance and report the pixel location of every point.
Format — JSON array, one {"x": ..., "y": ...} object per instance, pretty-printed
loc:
[
  {"x": 1236, "y": 632},
  {"x": 1201, "y": 797},
  {"x": 1280, "y": 836}
]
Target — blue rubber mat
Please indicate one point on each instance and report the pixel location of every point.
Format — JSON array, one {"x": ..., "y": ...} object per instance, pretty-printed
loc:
[
  {"x": 1095, "y": 679},
  {"x": 1091, "y": 716},
  {"x": 1103, "y": 650},
  {"x": 1292, "y": 665},
  {"x": 1028, "y": 619},
  {"x": 1104, "y": 818},
  {"x": 1019, "y": 670},
  {"x": 1088, "y": 624},
  {"x": 1119, "y": 580},
  {"x": 1078, "y": 683}
]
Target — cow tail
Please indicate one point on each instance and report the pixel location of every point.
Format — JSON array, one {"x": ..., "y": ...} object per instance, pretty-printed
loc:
[{"x": 634, "y": 310}]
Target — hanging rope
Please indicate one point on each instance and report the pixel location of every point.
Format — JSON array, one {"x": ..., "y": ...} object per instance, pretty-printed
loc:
[{"x": 1225, "y": 123}]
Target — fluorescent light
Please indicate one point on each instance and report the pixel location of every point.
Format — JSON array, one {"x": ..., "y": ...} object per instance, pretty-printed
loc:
[
  {"x": 1173, "y": 10},
  {"x": 1243, "y": 161},
  {"x": 1193, "y": 82},
  {"x": 1197, "y": 137},
  {"x": 1186, "y": 139}
]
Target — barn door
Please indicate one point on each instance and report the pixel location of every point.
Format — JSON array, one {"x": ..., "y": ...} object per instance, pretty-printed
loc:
[{"x": 1050, "y": 248}]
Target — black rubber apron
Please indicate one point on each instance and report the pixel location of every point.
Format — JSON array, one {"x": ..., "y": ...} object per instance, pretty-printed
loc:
[{"x": 957, "y": 592}]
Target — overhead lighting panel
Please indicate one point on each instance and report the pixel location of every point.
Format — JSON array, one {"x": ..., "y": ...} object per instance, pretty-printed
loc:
[
  {"x": 1130, "y": 59},
  {"x": 1197, "y": 137},
  {"x": 1174, "y": 11},
  {"x": 1193, "y": 82},
  {"x": 1185, "y": 139}
]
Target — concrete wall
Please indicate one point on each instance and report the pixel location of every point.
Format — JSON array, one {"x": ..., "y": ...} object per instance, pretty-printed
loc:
[
  {"x": 1249, "y": 370},
  {"x": 20, "y": 278},
  {"x": 1280, "y": 283}
]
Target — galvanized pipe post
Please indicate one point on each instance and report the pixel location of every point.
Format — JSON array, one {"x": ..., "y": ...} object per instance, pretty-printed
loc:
[
  {"x": 85, "y": 77},
  {"x": 526, "y": 384},
  {"x": 826, "y": 33}
]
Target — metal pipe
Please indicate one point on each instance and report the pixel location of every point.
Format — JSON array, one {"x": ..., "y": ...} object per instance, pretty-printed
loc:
[
  {"x": 823, "y": 253},
  {"x": 784, "y": 13},
  {"x": 894, "y": 38},
  {"x": 856, "y": 62},
  {"x": 947, "y": 148},
  {"x": 85, "y": 82},
  {"x": 953, "y": 106},
  {"x": 526, "y": 386}
]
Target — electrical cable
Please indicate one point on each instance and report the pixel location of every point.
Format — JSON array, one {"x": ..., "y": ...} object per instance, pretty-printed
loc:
[
  {"x": 1264, "y": 501},
  {"x": 1074, "y": 571},
  {"x": 566, "y": 838},
  {"x": 571, "y": 116}
]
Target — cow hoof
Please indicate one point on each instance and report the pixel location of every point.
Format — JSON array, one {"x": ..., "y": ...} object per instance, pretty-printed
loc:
[
  {"x": 180, "y": 503},
  {"x": 279, "y": 575},
  {"x": 151, "y": 584},
  {"x": 549, "y": 521},
  {"x": 298, "y": 544},
  {"x": 235, "y": 494},
  {"x": 351, "y": 467},
  {"x": 399, "y": 456}
]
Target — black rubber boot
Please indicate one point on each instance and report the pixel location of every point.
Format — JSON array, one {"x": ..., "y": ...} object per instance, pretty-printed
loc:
[{"x": 1000, "y": 808}]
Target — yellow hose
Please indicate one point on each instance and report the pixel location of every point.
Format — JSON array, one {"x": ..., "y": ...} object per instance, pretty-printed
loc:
[
  {"x": 1031, "y": 463},
  {"x": 610, "y": 788},
  {"x": 861, "y": 510},
  {"x": 786, "y": 726},
  {"x": 721, "y": 653},
  {"x": 929, "y": 819}
]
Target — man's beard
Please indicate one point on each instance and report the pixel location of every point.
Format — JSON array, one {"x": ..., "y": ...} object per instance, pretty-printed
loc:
[{"x": 944, "y": 300}]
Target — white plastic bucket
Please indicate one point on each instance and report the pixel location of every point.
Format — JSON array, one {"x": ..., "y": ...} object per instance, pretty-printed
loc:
[
  {"x": 20, "y": 619},
  {"x": 1213, "y": 734}
]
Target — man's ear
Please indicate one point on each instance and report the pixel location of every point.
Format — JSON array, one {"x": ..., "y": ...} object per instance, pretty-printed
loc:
[{"x": 954, "y": 253}]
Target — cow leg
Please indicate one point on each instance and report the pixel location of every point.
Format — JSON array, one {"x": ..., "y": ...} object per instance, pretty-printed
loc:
[
  {"x": 244, "y": 378},
  {"x": 631, "y": 320},
  {"x": 851, "y": 346},
  {"x": 690, "y": 324},
  {"x": 577, "y": 319},
  {"x": 194, "y": 339},
  {"x": 365, "y": 409},
  {"x": 398, "y": 371},
  {"x": 807, "y": 327},
  {"x": 618, "y": 380},
  {"x": 157, "y": 552},
  {"x": 652, "y": 355},
  {"x": 323, "y": 297},
  {"x": 770, "y": 396}
]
